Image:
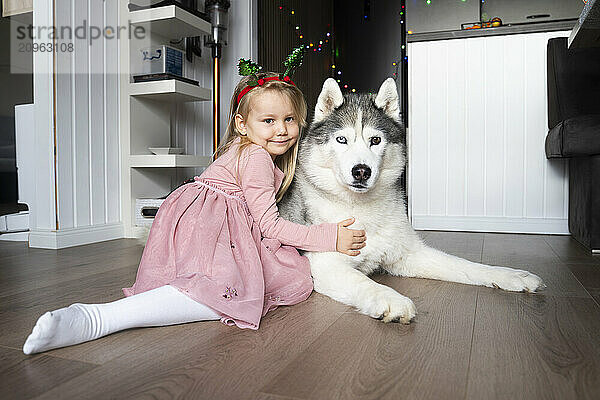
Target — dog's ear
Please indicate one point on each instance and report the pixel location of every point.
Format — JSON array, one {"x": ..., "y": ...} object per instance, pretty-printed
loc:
[
  {"x": 330, "y": 98},
  {"x": 387, "y": 99}
]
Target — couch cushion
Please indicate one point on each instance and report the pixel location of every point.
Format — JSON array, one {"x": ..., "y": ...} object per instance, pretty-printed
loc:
[{"x": 574, "y": 137}]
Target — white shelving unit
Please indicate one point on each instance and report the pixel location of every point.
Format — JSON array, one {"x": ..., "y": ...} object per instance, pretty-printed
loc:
[
  {"x": 167, "y": 161},
  {"x": 170, "y": 22},
  {"x": 146, "y": 109},
  {"x": 171, "y": 91}
]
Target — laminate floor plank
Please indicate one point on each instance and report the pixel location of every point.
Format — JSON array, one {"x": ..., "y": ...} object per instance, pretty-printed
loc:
[
  {"x": 207, "y": 360},
  {"x": 535, "y": 347},
  {"x": 467, "y": 245},
  {"x": 14, "y": 282},
  {"x": 587, "y": 274},
  {"x": 24, "y": 377},
  {"x": 532, "y": 253},
  {"x": 20, "y": 250},
  {"x": 268, "y": 396},
  {"x": 361, "y": 358},
  {"x": 570, "y": 250},
  {"x": 513, "y": 250},
  {"x": 20, "y": 311},
  {"x": 23, "y": 268}
]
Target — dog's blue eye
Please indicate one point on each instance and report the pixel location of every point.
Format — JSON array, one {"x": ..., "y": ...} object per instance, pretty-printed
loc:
[
  {"x": 341, "y": 139},
  {"x": 375, "y": 140}
]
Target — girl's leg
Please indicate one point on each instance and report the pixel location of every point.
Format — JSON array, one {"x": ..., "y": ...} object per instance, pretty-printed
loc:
[{"x": 79, "y": 323}]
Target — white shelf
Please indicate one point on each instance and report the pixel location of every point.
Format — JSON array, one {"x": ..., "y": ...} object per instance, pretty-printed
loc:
[
  {"x": 168, "y": 161},
  {"x": 170, "y": 90},
  {"x": 171, "y": 22}
]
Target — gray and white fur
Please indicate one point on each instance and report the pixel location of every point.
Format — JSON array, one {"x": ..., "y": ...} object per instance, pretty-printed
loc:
[{"x": 349, "y": 165}]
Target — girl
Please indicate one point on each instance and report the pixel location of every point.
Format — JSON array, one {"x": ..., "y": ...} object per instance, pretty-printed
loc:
[{"x": 217, "y": 248}]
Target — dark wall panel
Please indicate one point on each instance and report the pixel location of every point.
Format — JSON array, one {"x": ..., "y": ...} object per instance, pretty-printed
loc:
[
  {"x": 277, "y": 36},
  {"x": 440, "y": 15}
]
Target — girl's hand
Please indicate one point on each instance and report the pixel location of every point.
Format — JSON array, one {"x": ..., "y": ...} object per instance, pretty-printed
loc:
[{"x": 349, "y": 240}]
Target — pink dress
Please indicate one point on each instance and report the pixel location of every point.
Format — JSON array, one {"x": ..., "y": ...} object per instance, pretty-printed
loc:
[{"x": 224, "y": 245}]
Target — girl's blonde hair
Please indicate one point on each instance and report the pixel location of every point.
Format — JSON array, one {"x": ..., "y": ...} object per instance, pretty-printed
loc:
[{"x": 287, "y": 161}]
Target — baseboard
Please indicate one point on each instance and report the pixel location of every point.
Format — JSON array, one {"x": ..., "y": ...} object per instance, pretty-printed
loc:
[
  {"x": 52, "y": 239},
  {"x": 15, "y": 236},
  {"x": 547, "y": 226}
]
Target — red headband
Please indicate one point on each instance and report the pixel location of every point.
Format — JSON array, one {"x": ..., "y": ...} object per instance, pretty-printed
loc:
[{"x": 261, "y": 81}]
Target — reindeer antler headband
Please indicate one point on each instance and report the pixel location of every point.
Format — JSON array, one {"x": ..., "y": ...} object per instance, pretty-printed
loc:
[{"x": 248, "y": 68}]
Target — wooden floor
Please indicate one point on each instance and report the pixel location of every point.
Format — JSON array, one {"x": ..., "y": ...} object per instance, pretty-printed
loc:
[{"x": 466, "y": 343}]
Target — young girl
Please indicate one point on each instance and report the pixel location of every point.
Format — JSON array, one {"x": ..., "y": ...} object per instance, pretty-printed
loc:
[{"x": 217, "y": 248}]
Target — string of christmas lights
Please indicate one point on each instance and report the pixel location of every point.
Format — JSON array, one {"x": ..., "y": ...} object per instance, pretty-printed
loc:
[{"x": 318, "y": 45}]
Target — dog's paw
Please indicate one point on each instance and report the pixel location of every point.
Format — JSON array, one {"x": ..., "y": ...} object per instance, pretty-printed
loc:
[
  {"x": 516, "y": 280},
  {"x": 391, "y": 306}
]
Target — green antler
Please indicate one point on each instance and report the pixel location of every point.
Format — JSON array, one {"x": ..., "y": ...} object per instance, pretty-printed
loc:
[
  {"x": 247, "y": 67},
  {"x": 293, "y": 61}
]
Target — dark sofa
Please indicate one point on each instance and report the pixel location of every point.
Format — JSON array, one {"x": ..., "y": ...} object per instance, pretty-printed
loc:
[{"x": 574, "y": 123}]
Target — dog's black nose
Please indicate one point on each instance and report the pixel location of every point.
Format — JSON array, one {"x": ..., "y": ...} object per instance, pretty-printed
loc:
[{"x": 361, "y": 172}]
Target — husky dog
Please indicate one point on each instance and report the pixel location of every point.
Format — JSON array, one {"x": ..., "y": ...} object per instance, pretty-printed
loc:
[{"x": 349, "y": 164}]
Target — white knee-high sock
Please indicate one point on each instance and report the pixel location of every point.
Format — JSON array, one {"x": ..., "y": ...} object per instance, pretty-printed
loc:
[{"x": 79, "y": 323}]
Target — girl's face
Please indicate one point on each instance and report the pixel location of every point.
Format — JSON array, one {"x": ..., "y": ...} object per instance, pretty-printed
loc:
[{"x": 270, "y": 123}]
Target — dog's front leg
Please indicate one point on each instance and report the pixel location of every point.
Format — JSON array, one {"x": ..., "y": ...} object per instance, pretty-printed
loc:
[
  {"x": 335, "y": 278},
  {"x": 426, "y": 262}
]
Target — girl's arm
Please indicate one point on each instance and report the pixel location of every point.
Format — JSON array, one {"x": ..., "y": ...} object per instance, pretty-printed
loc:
[{"x": 258, "y": 185}]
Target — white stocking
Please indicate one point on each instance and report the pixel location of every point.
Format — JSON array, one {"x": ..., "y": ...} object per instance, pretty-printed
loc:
[{"x": 82, "y": 322}]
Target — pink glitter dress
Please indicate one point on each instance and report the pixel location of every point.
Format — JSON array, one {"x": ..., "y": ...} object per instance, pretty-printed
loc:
[{"x": 220, "y": 241}]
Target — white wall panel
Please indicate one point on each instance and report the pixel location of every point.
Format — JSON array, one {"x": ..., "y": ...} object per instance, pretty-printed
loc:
[
  {"x": 437, "y": 127},
  {"x": 87, "y": 118},
  {"x": 418, "y": 166},
  {"x": 474, "y": 109},
  {"x": 111, "y": 118},
  {"x": 456, "y": 133},
  {"x": 43, "y": 210},
  {"x": 478, "y": 121}
]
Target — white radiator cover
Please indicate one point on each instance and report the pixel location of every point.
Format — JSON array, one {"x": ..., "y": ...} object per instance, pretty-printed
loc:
[{"x": 477, "y": 125}]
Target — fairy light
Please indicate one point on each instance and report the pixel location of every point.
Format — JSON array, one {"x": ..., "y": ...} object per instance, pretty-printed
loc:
[{"x": 333, "y": 66}]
